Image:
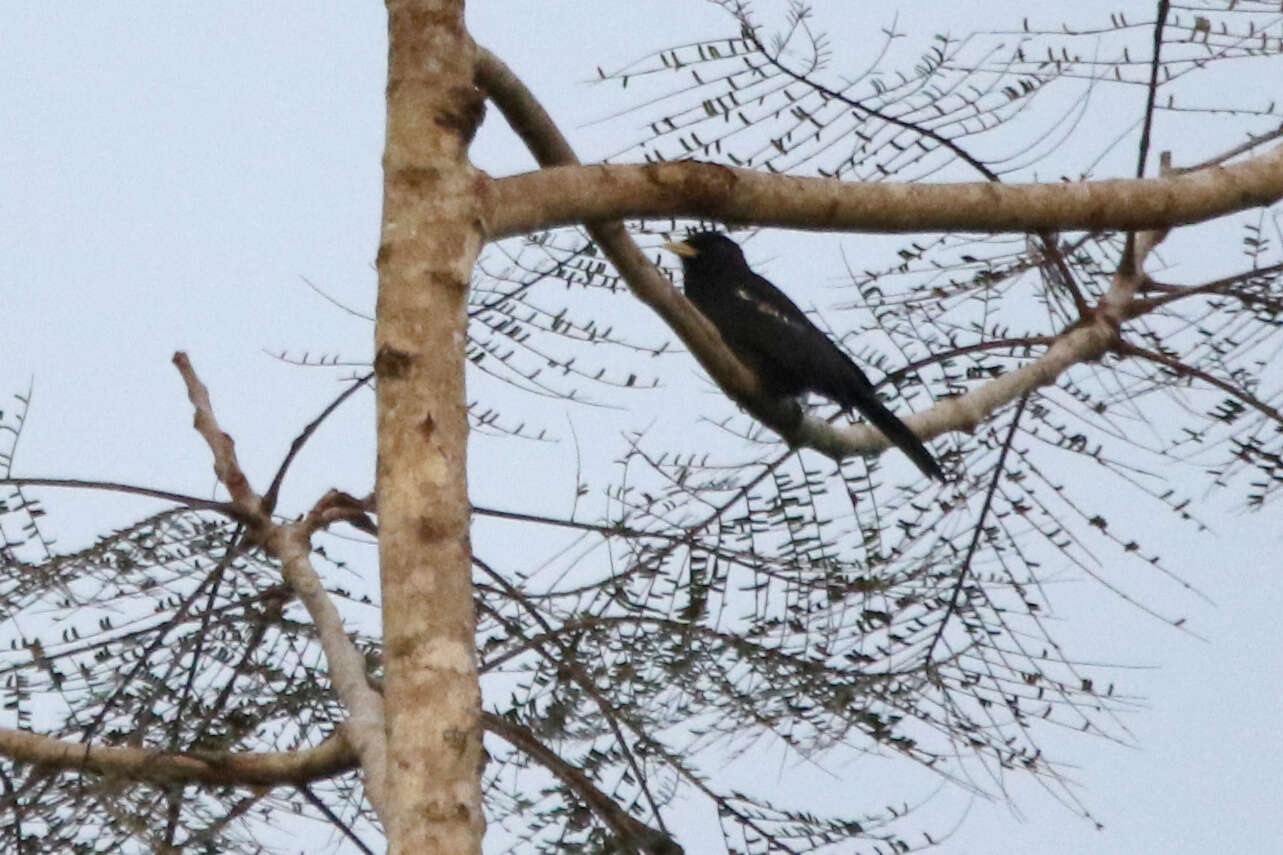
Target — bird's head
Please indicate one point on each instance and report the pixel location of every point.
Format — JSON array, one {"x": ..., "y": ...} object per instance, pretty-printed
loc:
[{"x": 707, "y": 251}]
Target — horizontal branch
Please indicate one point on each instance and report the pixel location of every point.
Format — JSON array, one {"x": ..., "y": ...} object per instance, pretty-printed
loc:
[
  {"x": 333, "y": 756},
  {"x": 330, "y": 758},
  {"x": 566, "y": 195}
]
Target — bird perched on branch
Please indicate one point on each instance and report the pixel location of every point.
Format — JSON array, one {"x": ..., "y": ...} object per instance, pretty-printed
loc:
[{"x": 772, "y": 336}]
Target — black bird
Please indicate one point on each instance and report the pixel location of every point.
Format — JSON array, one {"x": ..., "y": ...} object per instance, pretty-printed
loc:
[{"x": 772, "y": 336}]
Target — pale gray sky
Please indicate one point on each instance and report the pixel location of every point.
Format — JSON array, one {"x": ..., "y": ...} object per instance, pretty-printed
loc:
[{"x": 169, "y": 173}]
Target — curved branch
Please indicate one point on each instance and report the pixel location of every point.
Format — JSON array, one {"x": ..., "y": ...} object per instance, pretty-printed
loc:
[
  {"x": 1223, "y": 286},
  {"x": 634, "y": 833},
  {"x": 273, "y": 491},
  {"x": 1182, "y": 370},
  {"x": 564, "y": 195},
  {"x": 332, "y": 757},
  {"x": 193, "y": 502},
  {"x": 1084, "y": 343}
]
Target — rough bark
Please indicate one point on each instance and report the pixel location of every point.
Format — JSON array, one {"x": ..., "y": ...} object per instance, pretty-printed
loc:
[{"x": 430, "y": 239}]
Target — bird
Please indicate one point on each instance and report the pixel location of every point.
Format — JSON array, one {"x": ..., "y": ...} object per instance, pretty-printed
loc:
[{"x": 769, "y": 334}]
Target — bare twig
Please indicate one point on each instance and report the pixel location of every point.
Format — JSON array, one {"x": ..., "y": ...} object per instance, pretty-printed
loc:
[
  {"x": 193, "y": 502},
  {"x": 636, "y": 835},
  {"x": 978, "y": 529},
  {"x": 273, "y": 491},
  {"x": 1155, "y": 63},
  {"x": 226, "y": 467},
  {"x": 1225, "y": 285},
  {"x": 1182, "y": 370}
]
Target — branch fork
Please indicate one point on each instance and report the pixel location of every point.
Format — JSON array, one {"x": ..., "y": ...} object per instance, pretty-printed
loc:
[{"x": 290, "y": 543}]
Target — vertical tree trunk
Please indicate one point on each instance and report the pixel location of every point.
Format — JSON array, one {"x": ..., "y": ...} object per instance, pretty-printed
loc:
[{"x": 430, "y": 239}]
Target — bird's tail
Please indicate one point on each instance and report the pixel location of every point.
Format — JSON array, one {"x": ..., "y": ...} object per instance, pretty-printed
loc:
[{"x": 899, "y": 435}]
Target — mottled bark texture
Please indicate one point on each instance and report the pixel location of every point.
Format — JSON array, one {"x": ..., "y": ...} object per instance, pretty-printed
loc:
[{"x": 430, "y": 240}]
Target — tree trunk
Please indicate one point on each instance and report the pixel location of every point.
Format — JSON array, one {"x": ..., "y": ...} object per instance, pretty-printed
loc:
[{"x": 430, "y": 240}]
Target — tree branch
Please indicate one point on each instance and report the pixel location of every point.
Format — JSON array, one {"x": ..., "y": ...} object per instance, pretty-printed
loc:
[
  {"x": 1182, "y": 370},
  {"x": 330, "y": 758},
  {"x": 633, "y": 833},
  {"x": 291, "y": 544},
  {"x": 226, "y": 467},
  {"x": 565, "y": 195}
]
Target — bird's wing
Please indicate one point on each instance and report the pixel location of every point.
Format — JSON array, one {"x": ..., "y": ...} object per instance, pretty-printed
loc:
[
  {"x": 773, "y": 302},
  {"x": 762, "y": 317},
  {"x": 829, "y": 368},
  {"x": 767, "y": 329}
]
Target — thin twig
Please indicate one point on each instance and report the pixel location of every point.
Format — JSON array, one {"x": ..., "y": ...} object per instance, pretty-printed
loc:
[
  {"x": 1181, "y": 369},
  {"x": 226, "y": 467},
  {"x": 186, "y": 501},
  {"x": 1154, "y": 65},
  {"x": 273, "y": 491},
  {"x": 979, "y": 528}
]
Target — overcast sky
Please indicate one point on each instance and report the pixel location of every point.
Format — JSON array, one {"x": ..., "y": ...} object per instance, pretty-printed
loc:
[{"x": 170, "y": 174}]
